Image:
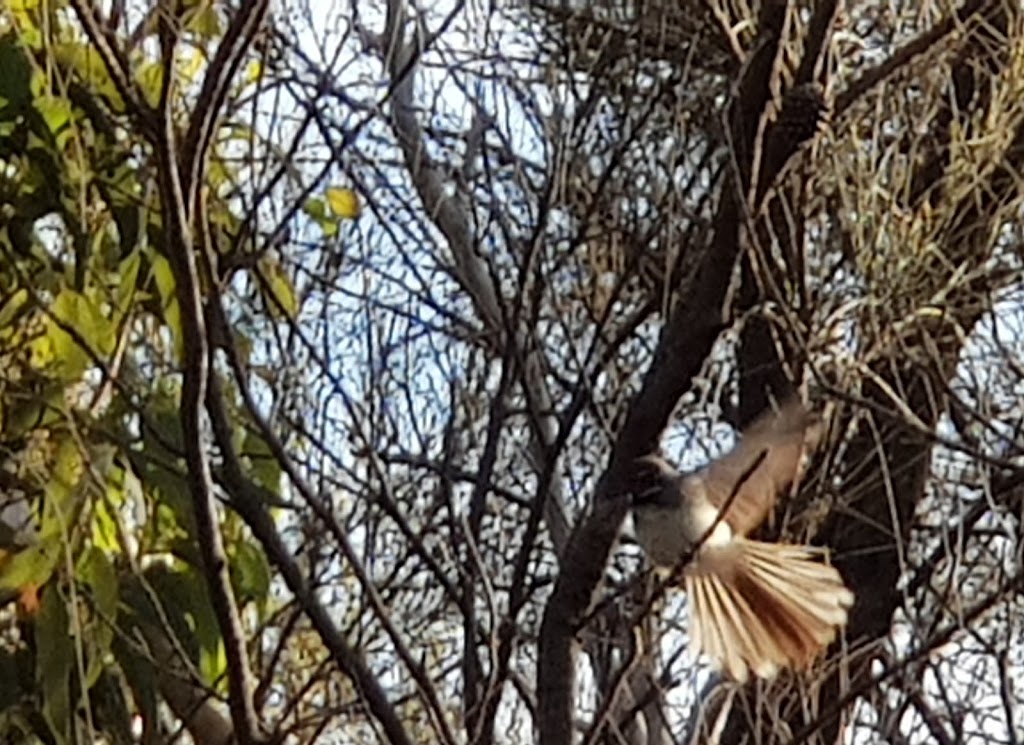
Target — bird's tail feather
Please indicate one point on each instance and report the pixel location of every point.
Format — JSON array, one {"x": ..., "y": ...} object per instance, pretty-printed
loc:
[{"x": 763, "y": 606}]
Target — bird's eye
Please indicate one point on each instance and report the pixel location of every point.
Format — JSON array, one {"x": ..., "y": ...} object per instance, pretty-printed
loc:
[
  {"x": 646, "y": 469},
  {"x": 646, "y": 494},
  {"x": 646, "y": 481}
]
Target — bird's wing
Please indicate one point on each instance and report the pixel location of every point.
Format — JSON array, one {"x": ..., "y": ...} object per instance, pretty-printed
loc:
[{"x": 773, "y": 446}]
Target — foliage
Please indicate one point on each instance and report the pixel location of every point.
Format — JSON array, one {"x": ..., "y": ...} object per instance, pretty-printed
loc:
[{"x": 91, "y": 340}]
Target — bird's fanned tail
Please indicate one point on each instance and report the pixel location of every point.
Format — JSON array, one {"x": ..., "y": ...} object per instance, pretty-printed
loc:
[{"x": 758, "y": 606}]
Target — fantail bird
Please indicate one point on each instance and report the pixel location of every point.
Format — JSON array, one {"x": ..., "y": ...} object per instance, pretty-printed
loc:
[{"x": 754, "y": 606}]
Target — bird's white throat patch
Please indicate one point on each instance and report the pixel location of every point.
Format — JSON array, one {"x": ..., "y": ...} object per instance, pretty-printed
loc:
[
  {"x": 702, "y": 515},
  {"x": 705, "y": 515}
]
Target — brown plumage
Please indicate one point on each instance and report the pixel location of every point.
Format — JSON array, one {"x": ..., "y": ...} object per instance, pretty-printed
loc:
[{"x": 755, "y": 606}]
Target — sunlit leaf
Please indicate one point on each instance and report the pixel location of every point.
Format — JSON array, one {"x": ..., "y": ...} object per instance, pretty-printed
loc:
[
  {"x": 281, "y": 290},
  {"x": 104, "y": 527},
  {"x": 69, "y": 465},
  {"x": 164, "y": 277},
  {"x": 56, "y": 112},
  {"x": 343, "y": 202},
  {"x": 76, "y": 331},
  {"x": 87, "y": 62},
  {"x": 253, "y": 71},
  {"x": 204, "y": 21},
  {"x": 150, "y": 78},
  {"x": 32, "y": 565},
  {"x": 12, "y": 307},
  {"x": 190, "y": 65}
]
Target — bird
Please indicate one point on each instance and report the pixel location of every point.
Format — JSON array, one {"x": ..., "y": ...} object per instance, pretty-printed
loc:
[{"x": 755, "y": 606}]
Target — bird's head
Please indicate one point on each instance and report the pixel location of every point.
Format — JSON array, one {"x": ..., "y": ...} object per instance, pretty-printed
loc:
[{"x": 648, "y": 479}]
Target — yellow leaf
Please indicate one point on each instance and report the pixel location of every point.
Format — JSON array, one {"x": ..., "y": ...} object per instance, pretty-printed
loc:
[
  {"x": 87, "y": 63},
  {"x": 190, "y": 65},
  {"x": 280, "y": 287},
  {"x": 56, "y": 112},
  {"x": 25, "y": 17},
  {"x": 12, "y": 307},
  {"x": 253, "y": 71},
  {"x": 204, "y": 21},
  {"x": 163, "y": 275},
  {"x": 150, "y": 79},
  {"x": 343, "y": 202}
]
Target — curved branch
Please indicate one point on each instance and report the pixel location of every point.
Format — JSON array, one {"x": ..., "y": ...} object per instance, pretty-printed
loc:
[{"x": 182, "y": 255}]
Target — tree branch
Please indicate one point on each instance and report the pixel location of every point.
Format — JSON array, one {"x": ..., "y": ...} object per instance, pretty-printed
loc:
[
  {"x": 178, "y": 237},
  {"x": 687, "y": 338}
]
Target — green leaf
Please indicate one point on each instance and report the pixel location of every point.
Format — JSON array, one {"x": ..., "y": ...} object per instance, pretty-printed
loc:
[
  {"x": 159, "y": 469},
  {"x": 14, "y": 83},
  {"x": 317, "y": 209},
  {"x": 56, "y": 113},
  {"x": 21, "y": 416},
  {"x": 250, "y": 573},
  {"x": 128, "y": 272},
  {"x": 174, "y": 516},
  {"x": 54, "y": 663},
  {"x": 58, "y": 349},
  {"x": 124, "y": 493},
  {"x": 96, "y": 570},
  {"x": 30, "y": 566},
  {"x": 23, "y": 5},
  {"x": 164, "y": 277},
  {"x": 189, "y": 591},
  {"x": 62, "y": 486},
  {"x": 263, "y": 466}
]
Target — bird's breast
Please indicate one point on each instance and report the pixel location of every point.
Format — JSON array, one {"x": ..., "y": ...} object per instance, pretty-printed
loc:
[{"x": 668, "y": 534}]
